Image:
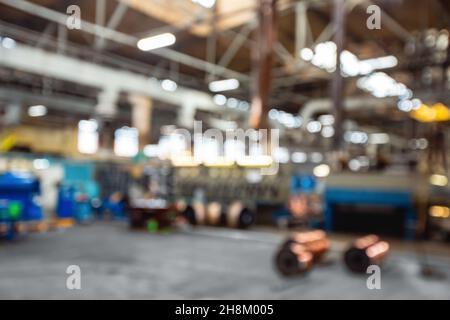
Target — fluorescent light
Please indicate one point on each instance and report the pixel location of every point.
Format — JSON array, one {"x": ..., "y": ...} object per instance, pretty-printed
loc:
[
  {"x": 273, "y": 114},
  {"x": 321, "y": 171},
  {"x": 354, "y": 165},
  {"x": 405, "y": 105},
  {"x": 326, "y": 119},
  {"x": 316, "y": 157},
  {"x": 382, "y": 85},
  {"x": 151, "y": 150},
  {"x": 205, "y": 3},
  {"x": 223, "y": 85},
  {"x": 306, "y": 54},
  {"x": 220, "y": 99},
  {"x": 381, "y": 62},
  {"x": 379, "y": 138},
  {"x": 439, "y": 180},
  {"x": 327, "y": 132},
  {"x": 88, "y": 136},
  {"x": 243, "y": 105},
  {"x": 8, "y": 43},
  {"x": 37, "y": 111},
  {"x": 155, "y": 42},
  {"x": 356, "y": 137},
  {"x": 169, "y": 85},
  {"x": 299, "y": 157},
  {"x": 126, "y": 142},
  {"x": 314, "y": 126},
  {"x": 232, "y": 103},
  {"x": 41, "y": 164},
  {"x": 281, "y": 155}
]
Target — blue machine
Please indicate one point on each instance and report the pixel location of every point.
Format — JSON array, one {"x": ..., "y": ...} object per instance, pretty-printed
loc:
[
  {"x": 77, "y": 191},
  {"x": 74, "y": 204},
  {"x": 398, "y": 199},
  {"x": 302, "y": 184},
  {"x": 113, "y": 205},
  {"x": 23, "y": 188},
  {"x": 299, "y": 184},
  {"x": 65, "y": 207},
  {"x": 18, "y": 193}
]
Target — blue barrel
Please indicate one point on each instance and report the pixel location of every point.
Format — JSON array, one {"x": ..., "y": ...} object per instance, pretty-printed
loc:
[{"x": 22, "y": 188}]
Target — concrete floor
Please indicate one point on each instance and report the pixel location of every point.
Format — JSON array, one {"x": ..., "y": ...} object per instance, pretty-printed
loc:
[{"x": 200, "y": 264}]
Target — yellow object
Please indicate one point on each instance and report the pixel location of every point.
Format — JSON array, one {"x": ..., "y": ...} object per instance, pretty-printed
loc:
[
  {"x": 435, "y": 113},
  {"x": 438, "y": 180},
  {"x": 64, "y": 223},
  {"x": 8, "y": 142},
  {"x": 439, "y": 212}
]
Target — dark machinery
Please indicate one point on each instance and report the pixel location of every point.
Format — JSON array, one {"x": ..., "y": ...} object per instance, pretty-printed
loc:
[{"x": 365, "y": 251}]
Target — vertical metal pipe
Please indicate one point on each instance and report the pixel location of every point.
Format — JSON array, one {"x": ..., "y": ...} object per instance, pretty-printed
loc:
[
  {"x": 262, "y": 58},
  {"x": 337, "y": 84}
]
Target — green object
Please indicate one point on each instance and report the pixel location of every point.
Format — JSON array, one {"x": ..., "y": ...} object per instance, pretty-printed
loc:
[
  {"x": 15, "y": 210},
  {"x": 152, "y": 226}
]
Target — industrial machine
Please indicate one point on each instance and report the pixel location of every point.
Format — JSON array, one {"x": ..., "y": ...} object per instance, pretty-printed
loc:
[
  {"x": 19, "y": 194},
  {"x": 371, "y": 203}
]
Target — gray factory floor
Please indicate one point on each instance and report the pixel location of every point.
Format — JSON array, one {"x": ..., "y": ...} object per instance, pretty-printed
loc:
[{"x": 197, "y": 264}]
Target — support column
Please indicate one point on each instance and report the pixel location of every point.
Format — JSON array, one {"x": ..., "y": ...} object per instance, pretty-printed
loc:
[
  {"x": 141, "y": 117},
  {"x": 337, "y": 84},
  {"x": 186, "y": 115},
  {"x": 262, "y": 56}
]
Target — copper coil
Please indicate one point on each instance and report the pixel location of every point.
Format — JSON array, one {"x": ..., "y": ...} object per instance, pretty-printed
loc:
[
  {"x": 238, "y": 216},
  {"x": 293, "y": 259},
  {"x": 365, "y": 251},
  {"x": 314, "y": 241},
  {"x": 213, "y": 213}
]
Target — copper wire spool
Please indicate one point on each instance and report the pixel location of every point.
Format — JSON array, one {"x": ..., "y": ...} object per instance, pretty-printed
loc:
[
  {"x": 239, "y": 216},
  {"x": 315, "y": 241},
  {"x": 199, "y": 212},
  {"x": 366, "y": 251},
  {"x": 293, "y": 259},
  {"x": 213, "y": 213},
  {"x": 195, "y": 213},
  {"x": 300, "y": 251},
  {"x": 20, "y": 227}
]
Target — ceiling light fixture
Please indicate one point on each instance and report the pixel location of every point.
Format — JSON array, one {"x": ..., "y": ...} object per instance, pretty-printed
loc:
[
  {"x": 155, "y": 42},
  {"x": 37, "y": 111},
  {"x": 223, "y": 85}
]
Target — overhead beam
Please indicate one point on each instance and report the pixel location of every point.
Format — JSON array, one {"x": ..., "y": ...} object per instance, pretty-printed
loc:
[
  {"x": 38, "y": 61},
  {"x": 32, "y": 37},
  {"x": 122, "y": 38},
  {"x": 56, "y": 102},
  {"x": 114, "y": 21},
  {"x": 236, "y": 44}
]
